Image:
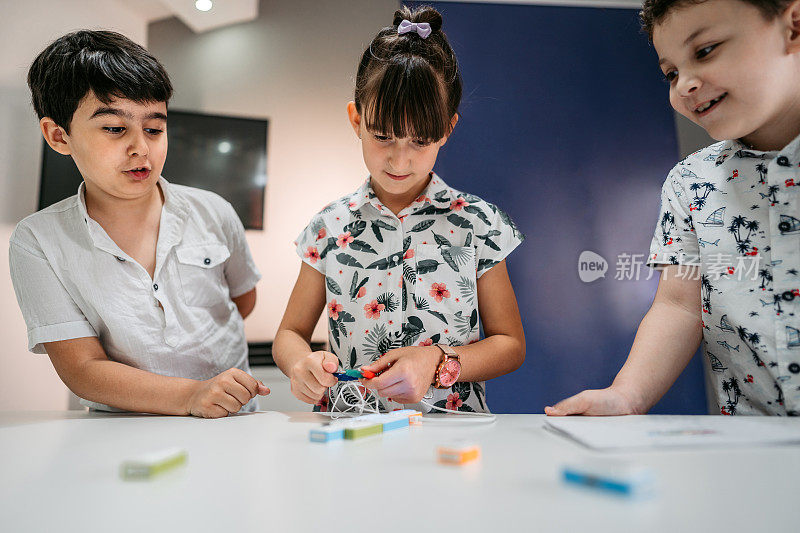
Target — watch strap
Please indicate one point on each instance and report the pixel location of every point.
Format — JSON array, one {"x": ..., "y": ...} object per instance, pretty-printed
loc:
[{"x": 448, "y": 350}]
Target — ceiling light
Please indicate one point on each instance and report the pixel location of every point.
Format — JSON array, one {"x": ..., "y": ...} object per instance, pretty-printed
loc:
[{"x": 203, "y": 5}]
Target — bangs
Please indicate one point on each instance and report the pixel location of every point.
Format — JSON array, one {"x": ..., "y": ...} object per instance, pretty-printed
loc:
[
  {"x": 654, "y": 11},
  {"x": 405, "y": 98},
  {"x": 113, "y": 75}
]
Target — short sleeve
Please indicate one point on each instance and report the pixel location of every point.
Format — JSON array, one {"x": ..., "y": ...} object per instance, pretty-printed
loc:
[
  {"x": 500, "y": 239},
  {"x": 49, "y": 311},
  {"x": 240, "y": 270},
  {"x": 312, "y": 244},
  {"x": 674, "y": 241}
]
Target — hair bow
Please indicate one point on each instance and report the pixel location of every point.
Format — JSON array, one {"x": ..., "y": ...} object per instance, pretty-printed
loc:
[{"x": 423, "y": 29}]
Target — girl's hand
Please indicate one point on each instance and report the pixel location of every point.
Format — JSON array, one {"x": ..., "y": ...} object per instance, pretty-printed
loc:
[
  {"x": 406, "y": 374},
  {"x": 224, "y": 394},
  {"x": 600, "y": 402},
  {"x": 312, "y": 375}
]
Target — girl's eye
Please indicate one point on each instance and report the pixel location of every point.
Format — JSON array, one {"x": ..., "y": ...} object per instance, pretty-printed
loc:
[
  {"x": 115, "y": 130},
  {"x": 381, "y": 138},
  {"x": 703, "y": 52},
  {"x": 422, "y": 143},
  {"x": 670, "y": 76},
  {"x": 153, "y": 131}
]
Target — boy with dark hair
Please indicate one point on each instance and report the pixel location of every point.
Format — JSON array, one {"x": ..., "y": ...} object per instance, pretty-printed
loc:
[
  {"x": 728, "y": 239},
  {"x": 135, "y": 288}
]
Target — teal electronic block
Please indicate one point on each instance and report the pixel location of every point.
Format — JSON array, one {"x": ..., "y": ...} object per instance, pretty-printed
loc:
[
  {"x": 400, "y": 422},
  {"x": 326, "y": 434}
]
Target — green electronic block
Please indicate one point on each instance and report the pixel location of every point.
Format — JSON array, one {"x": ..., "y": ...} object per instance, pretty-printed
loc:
[
  {"x": 149, "y": 465},
  {"x": 362, "y": 431}
]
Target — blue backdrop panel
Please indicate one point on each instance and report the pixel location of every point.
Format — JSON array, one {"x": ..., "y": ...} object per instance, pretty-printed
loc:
[{"x": 565, "y": 125}]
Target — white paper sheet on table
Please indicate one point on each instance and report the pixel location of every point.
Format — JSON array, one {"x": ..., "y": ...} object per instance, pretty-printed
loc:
[{"x": 666, "y": 431}]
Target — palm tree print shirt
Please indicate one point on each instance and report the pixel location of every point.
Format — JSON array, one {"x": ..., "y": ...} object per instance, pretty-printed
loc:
[
  {"x": 735, "y": 212},
  {"x": 406, "y": 280}
]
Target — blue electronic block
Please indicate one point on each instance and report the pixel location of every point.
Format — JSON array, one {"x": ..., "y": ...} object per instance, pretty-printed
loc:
[
  {"x": 615, "y": 477},
  {"x": 326, "y": 434},
  {"x": 598, "y": 482},
  {"x": 398, "y": 423}
]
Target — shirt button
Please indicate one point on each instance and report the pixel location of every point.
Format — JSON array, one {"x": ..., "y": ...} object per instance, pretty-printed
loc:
[
  {"x": 120, "y": 259},
  {"x": 794, "y": 368},
  {"x": 206, "y": 261},
  {"x": 783, "y": 161},
  {"x": 155, "y": 286},
  {"x": 788, "y": 296}
]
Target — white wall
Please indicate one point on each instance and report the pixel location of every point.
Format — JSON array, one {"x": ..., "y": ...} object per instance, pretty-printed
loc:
[
  {"x": 28, "y": 381},
  {"x": 295, "y": 66}
]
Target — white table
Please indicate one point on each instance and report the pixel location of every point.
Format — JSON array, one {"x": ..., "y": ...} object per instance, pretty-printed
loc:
[{"x": 259, "y": 473}]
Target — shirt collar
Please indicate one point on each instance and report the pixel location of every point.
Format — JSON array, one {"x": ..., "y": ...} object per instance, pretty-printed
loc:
[
  {"x": 174, "y": 214},
  {"x": 790, "y": 151},
  {"x": 361, "y": 197},
  {"x": 173, "y": 217},
  {"x": 437, "y": 191}
]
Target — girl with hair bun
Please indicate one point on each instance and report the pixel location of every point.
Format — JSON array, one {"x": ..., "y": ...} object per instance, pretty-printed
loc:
[{"x": 406, "y": 268}]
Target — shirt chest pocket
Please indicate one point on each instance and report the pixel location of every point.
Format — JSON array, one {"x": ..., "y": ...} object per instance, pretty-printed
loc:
[
  {"x": 200, "y": 267},
  {"x": 446, "y": 281}
]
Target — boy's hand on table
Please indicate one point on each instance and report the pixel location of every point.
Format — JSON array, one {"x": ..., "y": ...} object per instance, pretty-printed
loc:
[
  {"x": 312, "y": 375},
  {"x": 406, "y": 373},
  {"x": 596, "y": 402},
  {"x": 224, "y": 394}
]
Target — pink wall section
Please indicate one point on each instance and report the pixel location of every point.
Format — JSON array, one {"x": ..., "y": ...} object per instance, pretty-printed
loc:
[{"x": 28, "y": 381}]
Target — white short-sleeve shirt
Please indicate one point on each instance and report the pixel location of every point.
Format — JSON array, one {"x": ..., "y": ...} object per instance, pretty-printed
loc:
[
  {"x": 735, "y": 212},
  {"x": 72, "y": 280},
  {"x": 406, "y": 280}
]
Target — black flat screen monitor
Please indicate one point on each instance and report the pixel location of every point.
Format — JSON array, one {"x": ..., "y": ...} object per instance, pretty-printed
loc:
[{"x": 226, "y": 155}]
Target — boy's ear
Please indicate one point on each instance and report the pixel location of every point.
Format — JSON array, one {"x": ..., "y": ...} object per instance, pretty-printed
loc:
[
  {"x": 453, "y": 123},
  {"x": 791, "y": 16},
  {"x": 54, "y": 135},
  {"x": 355, "y": 118}
]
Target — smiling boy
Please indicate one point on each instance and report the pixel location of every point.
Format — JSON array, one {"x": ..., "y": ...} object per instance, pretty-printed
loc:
[
  {"x": 728, "y": 239},
  {"x": 134, "y": 287}
]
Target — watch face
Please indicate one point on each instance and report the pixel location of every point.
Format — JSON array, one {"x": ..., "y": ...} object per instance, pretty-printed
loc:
[{"x": 450, "y": 372}]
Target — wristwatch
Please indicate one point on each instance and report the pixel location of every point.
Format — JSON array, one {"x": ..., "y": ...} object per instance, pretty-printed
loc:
[{"x": 449, "y": 369}]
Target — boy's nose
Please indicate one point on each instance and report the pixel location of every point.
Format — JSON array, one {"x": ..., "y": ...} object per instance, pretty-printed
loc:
[{"x": 138, "y": 146}]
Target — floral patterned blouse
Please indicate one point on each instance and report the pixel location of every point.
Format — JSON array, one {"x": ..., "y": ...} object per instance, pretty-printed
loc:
[
  {"x": 735, "y": 212},
  {"x": 408, "y": 280}
]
